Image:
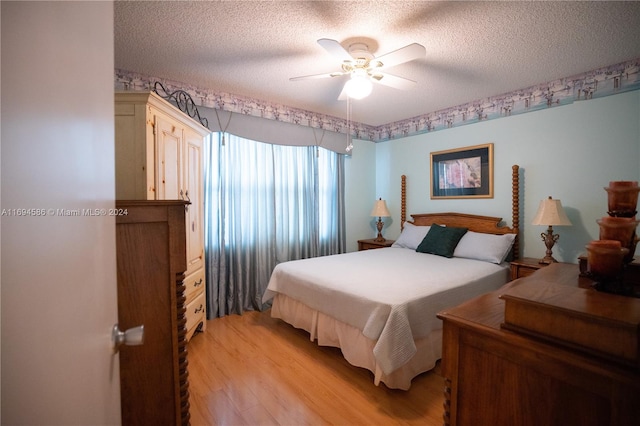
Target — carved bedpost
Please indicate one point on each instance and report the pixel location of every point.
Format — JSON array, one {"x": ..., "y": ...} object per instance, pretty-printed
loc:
[
  {"x": 403, "y": 201},
  {"x": 515, "y": 208}
]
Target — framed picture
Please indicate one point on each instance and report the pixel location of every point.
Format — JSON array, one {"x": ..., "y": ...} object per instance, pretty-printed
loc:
[{"x": 462, "y": 172}]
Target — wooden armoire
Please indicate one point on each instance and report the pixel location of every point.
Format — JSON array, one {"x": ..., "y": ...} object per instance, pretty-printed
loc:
[
  {"x": 160, "y": 251},
  {"x": 159, "y": 157}
]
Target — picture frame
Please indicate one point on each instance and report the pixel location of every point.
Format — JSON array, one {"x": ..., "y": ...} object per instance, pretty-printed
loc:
[{"x": 462, "y": 172}]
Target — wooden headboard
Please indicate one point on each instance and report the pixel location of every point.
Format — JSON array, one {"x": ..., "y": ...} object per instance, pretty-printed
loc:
[{"x": 486, "y": 224}]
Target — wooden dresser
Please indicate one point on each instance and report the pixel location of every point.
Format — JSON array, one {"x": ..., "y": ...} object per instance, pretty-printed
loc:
[
  {"x": 564, "y": 355},
  {"x": 151, "y": 259}
]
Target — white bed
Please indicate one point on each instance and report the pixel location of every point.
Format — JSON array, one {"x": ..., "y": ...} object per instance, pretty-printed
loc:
[{"x": 379, "y": 306}]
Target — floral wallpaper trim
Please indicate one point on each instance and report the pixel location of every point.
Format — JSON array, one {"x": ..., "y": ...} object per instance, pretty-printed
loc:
[
  {"x": 605, "y": 81},
  {"x": 614, "y": 79},
  {"x": 125, "y": 80}
]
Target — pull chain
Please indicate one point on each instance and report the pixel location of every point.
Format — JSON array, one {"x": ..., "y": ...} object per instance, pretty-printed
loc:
[
  {"x": 349, "y": 142},
  {"x": 224, "y": 130},
  {"x": 318, "y": 145}
]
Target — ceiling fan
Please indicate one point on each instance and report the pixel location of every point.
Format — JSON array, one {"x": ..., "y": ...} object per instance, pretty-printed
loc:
[{"x": 364, "y": 68}]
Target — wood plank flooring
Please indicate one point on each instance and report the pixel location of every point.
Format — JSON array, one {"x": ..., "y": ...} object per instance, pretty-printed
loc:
[{"x": 252, "y": 369}]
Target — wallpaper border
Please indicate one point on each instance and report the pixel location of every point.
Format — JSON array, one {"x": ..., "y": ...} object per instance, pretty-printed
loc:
[{"x": 605, "y": 81}]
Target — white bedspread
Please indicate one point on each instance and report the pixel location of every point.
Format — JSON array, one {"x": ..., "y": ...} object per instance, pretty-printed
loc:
[{"x": 392, "y": 295}]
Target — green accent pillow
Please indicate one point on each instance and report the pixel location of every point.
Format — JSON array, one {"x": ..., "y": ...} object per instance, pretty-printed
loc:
[{"x": 441, "y": 240}]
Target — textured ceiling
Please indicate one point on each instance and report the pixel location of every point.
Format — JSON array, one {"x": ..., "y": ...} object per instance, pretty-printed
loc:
[{"x": 474, "y": 49}]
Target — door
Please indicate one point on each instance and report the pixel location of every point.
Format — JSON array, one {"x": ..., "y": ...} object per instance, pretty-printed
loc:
[{"x": 58, "y": 262}]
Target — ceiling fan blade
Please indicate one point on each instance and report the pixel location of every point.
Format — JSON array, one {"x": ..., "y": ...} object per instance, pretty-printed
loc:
[
  {"x": 393, "y": 81},
  {"x": 314, "y": 76},
  {"x": 335, "y": 49},
  {"x": 400, "y": 56}
]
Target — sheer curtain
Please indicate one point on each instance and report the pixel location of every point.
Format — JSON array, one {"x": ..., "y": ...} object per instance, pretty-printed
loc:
[{"x": 266, "y": 204}]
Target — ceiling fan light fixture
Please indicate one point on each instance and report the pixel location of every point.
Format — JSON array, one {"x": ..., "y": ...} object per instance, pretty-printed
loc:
[
  {"x": 364, "y": 68},
  {"x": 358, "y": 87}
]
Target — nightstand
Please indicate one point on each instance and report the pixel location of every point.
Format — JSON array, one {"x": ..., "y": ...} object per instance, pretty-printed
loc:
[
  {"x": 524, "y": 267},
  {"x": 373, "y": 244}
]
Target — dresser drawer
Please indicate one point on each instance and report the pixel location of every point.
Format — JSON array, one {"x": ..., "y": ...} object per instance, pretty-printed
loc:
[
  {"x": 525, "y": 272},
  {"x": 195, "y": 313},
  {"x": 194, "y": 285}
]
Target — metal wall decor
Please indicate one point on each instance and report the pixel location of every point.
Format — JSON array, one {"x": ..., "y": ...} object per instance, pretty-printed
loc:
[{"x": 183, "y": 101}]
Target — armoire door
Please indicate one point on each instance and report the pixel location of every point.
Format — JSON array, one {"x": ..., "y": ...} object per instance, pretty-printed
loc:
[
  {"x": 169, "y": 151},
  {"x": 193, "y": 183}
]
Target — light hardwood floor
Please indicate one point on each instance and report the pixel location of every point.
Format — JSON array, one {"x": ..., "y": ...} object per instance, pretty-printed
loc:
[{"x": 256, "y": 370}]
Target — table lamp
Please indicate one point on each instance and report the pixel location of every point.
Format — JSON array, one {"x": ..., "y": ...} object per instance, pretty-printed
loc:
[
  {"x": 380, "y": 210},
  {"x": 550, "y": 213}
]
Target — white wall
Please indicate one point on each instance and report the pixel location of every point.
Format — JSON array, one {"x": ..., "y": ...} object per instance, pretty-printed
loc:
[
  {"x": 58, "y": 273},
  {"x": 569, "y": 152}
]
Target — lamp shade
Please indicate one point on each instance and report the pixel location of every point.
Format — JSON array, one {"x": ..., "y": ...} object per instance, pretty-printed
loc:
[
  {"x": 550, "y": 212},
  {"x": 380, "y": 209},
  {"x": 358, "y": 87}
]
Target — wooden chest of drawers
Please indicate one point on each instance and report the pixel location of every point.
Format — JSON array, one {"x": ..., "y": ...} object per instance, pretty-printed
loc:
[{"x": 499, "y": 376}]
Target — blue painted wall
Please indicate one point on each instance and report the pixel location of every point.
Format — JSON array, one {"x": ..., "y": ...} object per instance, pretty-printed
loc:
[{"x": 569, "y": 152}]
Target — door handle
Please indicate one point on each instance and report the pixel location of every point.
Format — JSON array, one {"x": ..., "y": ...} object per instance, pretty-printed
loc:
[{"x": 131, "y": 337}]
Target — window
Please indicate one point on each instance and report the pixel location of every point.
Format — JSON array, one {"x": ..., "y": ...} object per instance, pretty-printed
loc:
[{"x": 266, "y": 204}]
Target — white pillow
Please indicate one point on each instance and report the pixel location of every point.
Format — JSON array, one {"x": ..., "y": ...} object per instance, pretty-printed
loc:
[
  {"x": 411, "y": 236},
  {"x": 487, "y": 247}
]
